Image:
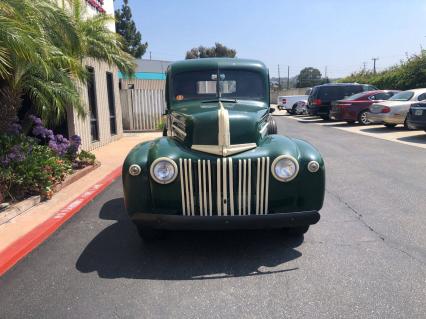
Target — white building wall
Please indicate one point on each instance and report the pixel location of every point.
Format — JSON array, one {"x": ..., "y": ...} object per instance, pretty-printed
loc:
[{"x": 81, "y": 126}]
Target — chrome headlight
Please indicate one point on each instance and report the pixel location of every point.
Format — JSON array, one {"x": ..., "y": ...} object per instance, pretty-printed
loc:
[
  {"x": 164, "y": 170},
  {"x": 134, "y": 170},
  {"x": 285, "y": 168}
]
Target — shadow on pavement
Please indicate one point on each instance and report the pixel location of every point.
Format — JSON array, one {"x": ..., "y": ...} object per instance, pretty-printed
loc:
[
  {"x": 118, "y": 252},
  {"x": 419, "y": 139},
  {"x": 384, "y": 129}
]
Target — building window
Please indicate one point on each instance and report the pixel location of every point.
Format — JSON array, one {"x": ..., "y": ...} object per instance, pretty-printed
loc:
[
  {"x": 93, "y": 108},
  {"x": 111, "y": 103}
]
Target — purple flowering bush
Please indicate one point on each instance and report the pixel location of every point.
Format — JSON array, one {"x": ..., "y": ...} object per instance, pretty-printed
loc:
[{"x": 33, "y": 165}]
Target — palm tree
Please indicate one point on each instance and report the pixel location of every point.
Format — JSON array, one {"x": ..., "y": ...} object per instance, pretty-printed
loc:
[{"x": 42, "y": 47}]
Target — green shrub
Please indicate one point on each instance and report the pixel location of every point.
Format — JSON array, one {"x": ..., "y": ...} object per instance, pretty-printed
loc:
[
  {"x": 409, "y": 74},
  {"x": 28, "y": 168},
  {"x": 86, "y": 158}
]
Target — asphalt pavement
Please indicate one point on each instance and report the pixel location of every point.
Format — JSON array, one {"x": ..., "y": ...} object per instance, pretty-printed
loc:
[{"x": 366, "y": 258}]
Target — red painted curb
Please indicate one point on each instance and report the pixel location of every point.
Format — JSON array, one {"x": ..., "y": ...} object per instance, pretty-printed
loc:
[{"x": 27, "y": 243}]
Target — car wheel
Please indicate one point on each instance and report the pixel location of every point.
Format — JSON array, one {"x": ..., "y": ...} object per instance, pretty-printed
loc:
[
  {"x": 294, "y": 109},
  {"x": 406, "y": 124},
  {"x": 290, "y": 112},
  {"x": 325, "y": 117},
  {"x": 362, "y": 118},
  {"x": 149, "y": 234},
  {"x": 296, "y": 231},
  {"x": 389, "y": 125},
  {"x": 272, "y": 127}
]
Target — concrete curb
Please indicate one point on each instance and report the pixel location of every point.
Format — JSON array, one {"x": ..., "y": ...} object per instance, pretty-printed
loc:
[{"x": 27, "y": 243}]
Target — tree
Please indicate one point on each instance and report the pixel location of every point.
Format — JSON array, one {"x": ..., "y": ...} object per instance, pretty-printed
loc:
[
  {"x": 218, "y": 50},
  {"x": 308, "y": 77},
  {"x": 42, "y": 50},
  {"x": 126, "y": 27}
]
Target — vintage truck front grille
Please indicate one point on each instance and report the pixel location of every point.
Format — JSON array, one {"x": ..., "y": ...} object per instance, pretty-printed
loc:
[{"x": 224, "y": 187}]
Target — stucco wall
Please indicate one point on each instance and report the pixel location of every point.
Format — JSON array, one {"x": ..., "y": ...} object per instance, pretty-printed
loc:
[{"x": 81, "y": 126}]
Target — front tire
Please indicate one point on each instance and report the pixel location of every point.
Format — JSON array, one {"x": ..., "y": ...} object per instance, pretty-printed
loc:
[
  {"x": 325, "y": 117},
  {"x": 149, "y": 234},
  {"x": 362, "y": 118}
]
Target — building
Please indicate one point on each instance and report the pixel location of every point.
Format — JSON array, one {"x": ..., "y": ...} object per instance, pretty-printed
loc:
[
  {"x": 143, "y": 96},
  {"x": 103, "y": 123}
]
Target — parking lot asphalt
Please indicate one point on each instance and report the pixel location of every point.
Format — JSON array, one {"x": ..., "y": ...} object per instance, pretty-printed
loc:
[{"x": 366, "y": 258}]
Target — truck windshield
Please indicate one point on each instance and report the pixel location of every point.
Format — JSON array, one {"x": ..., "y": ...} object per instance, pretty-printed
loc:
[{"x": 207, "y": 84}]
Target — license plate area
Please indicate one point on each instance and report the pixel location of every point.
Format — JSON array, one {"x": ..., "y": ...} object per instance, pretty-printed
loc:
[{"x": 418, "y": 112}]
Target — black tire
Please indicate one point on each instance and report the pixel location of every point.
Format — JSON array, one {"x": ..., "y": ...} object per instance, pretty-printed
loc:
[
  {"x": 362, "y": 118},
  {"x": 406, "y": 124},
  {"x": 296, "y": 231},
  {"x": 325, "y": 117},
  {"x": 294, "y": 108},
  {"x": 272, "y": 127},
  {"x": 389, "y": 125},
  {"x": 290, "y": 112},
  {"x": 149, "y": 234}
]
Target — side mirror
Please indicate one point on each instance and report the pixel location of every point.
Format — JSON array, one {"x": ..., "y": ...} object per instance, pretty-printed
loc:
[{"x": 271, "y": 110}]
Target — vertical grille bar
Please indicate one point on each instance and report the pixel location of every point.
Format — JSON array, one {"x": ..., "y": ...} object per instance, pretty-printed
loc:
[
  {"x": 267, "y": 186},
  {"x": 210, "y": 187},
  {"x": 185, "y": 164},
  {"x": 191, "y": 191},
  {"x": 204, "y": 188},
  {"x": 231, "y": 187},
  {"x": 262, "y": 185},
  {"x": 225, "y": 189},
  {"x": 239, "y": 187},
  {"x": 249, "y": 188},
  {"x": 258, "y": 187},
  {"x": 200, "y": 189},
  {"x": 218, "y": 190},
  {"x": 244, "y": 187},
  {"x": 182, "y": 176}
]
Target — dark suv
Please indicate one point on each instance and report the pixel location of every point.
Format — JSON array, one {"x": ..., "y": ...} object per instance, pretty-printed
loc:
[{"x": 323, "y": 96}]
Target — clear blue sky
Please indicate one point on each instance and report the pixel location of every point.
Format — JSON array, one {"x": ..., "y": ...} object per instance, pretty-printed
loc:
[{"x": 339, "y": 34}]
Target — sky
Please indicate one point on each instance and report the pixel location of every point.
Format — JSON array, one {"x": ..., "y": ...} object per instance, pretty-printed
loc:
[{"x": 333, "y": 35}]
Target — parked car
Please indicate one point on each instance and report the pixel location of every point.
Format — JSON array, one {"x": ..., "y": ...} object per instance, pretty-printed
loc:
[
  {"x": 416, "y": 118},
  {"x": 289, "y": 102},
  {"x": 394, "y": 111},
  {"x": 323, "y": 96},
  {"x": 355, "y": 107},
  {"x": 301, "y": 108},
  {"x": 219, "y": 165}
]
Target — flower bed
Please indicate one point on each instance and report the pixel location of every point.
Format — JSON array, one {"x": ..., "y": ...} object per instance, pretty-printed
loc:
[{"x": 34, "y": 160}]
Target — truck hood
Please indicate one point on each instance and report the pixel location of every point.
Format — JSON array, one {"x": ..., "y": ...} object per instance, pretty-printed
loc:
[{"x": 219, "y": 127}]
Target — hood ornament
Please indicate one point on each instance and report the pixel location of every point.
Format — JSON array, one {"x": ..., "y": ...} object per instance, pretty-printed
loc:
[{"x": 224, "y": 147}]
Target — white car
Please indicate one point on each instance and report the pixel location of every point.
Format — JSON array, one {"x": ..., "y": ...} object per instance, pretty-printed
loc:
[
  {"x": 394, "y": 111},
  {"x": 289, "y": 102}
]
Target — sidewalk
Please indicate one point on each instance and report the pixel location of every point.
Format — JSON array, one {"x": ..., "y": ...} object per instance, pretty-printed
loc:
[{"x": 111, "y": 157}]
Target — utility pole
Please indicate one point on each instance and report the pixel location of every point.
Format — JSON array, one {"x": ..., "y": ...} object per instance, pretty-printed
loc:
[
  {"x": 279, "y": 78},
  {"x": 364, "y": 63},
  {"x": 150, "y": 55},
  {"x": 325, "y": 72},
  {"x": 374, "y": 64},
  {"x": 288, "y": 77}
]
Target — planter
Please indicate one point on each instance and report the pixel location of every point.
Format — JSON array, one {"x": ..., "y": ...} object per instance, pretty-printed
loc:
[{"x": 21, "y": 207}]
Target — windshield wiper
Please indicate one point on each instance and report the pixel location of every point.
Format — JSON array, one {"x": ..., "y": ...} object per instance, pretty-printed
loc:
[{"x": 220, "y": 100}]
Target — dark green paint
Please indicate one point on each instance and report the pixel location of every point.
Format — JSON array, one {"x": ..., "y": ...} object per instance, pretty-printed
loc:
[{"x": 143, "y": 195}]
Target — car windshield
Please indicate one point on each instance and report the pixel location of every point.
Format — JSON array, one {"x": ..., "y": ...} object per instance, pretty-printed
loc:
[
  {"x": 355, "y": 96},
  {"x": 235, "y": 84},
  {"x": 402, "y": 96}
]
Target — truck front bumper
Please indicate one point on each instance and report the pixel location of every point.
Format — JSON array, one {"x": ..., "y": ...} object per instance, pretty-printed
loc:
[{"x": 179, "y": 222}]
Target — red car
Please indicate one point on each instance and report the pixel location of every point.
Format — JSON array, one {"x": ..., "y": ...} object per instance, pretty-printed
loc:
[{"x": 354, "y": 108}]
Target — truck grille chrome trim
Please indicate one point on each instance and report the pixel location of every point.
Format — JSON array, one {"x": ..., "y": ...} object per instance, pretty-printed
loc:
[{"x": 200, "y": 179}]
